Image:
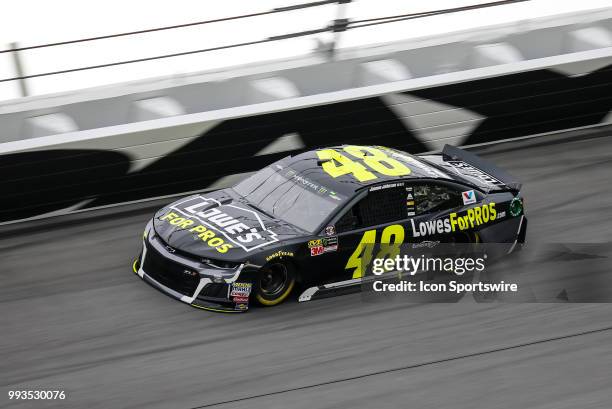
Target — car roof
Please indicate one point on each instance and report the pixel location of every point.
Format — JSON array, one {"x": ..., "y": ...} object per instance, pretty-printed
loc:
[{"x": 308, "y": 166}]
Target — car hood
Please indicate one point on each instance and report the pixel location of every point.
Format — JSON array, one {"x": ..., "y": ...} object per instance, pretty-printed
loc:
[{"x": 220, "y": 225}]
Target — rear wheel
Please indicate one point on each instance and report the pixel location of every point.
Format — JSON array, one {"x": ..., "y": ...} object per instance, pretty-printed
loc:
[
  {"x": 274, "y": 283},
  {"x": 459, "y": 245}
]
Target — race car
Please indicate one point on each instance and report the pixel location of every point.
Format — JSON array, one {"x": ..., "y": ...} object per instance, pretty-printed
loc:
[{"x": 302, "y": 222}]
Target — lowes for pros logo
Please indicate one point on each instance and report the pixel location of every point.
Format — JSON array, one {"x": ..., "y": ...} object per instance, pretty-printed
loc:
[{"x": 243, "y": 227}]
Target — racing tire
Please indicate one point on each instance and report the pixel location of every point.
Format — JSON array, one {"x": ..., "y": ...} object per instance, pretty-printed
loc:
[
  {"x": 275, "y": 282},
  {"x": 468, "y": 242}
]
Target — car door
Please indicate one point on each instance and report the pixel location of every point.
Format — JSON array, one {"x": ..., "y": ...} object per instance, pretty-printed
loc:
[
  {"x": 386, "y": 217},
  {"x": 433, "y": 203},
  {"x": 375, "y": 217},
  {"x": 390, "y": 214}
]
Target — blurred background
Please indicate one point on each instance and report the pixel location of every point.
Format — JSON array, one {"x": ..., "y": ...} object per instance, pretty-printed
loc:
[{"x": 29, "y": 23}]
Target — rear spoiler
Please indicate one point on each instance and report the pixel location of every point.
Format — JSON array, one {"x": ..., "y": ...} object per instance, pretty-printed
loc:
[{"x": 455, "y": 153}]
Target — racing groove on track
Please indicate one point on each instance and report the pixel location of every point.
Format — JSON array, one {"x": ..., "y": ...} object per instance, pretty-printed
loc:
[{"x": 75, "y": 318}]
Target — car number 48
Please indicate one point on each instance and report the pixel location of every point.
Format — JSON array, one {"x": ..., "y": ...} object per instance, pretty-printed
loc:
[
  {"x": 336, "y": 164},
  {"x": 390, "y": 239}
]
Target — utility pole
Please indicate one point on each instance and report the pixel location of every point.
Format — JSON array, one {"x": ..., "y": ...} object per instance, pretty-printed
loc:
[
  {"x": 339, "y": 26},
  {"x": 328, "y": 48},
  {"x": 23, "y": 88}
]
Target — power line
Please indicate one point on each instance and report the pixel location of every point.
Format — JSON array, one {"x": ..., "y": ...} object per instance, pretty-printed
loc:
[
  {"x": 196, "y": 23},
  {"x": 401, "y": 17},
  {"x": 158, "y": 57},
  {"x": 116, "y": 63},
  {"x": 336, "y": 26}
]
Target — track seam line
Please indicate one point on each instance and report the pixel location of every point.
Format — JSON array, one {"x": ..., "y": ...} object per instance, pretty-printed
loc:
[{"x": 403, "y": 368}]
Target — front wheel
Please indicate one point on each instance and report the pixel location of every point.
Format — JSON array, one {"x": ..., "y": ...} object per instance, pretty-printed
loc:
[{"x": 274, "y": 283}]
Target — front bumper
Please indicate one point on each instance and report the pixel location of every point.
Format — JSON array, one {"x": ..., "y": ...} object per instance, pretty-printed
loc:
[{"x": 190, "y": 281}]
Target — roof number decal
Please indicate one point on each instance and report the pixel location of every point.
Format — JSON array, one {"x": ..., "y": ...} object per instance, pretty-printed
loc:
[{"x": 336, "y": 164}]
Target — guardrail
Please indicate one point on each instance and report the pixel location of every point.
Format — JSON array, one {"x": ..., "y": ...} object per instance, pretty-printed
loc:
[{"x": 161, "y": 142}]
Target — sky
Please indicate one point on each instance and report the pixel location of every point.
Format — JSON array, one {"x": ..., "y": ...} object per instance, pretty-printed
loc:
[{"x": 33, "y": 22}]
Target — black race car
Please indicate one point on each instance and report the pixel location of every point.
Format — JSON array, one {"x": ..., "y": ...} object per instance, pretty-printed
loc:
[{"x": 302, "y": 221}]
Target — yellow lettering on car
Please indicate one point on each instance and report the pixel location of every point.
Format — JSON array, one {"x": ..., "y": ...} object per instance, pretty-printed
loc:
[
  {"x": 336, "y": 164},
  {"x": 492, "y": 211},
  {"x": 198, "y": 229},
  {"x": 169, "y": 215},
  {"x": 344, "y": 166},
  {"x": 378, "y": 160},
  {"x": 362, "y": 254},
  {"x": 390, "y": 239},
  {"x": 224, "y": 248},
  {"x": 474, "y": 217},
  {"x": 206, "y": 235}
]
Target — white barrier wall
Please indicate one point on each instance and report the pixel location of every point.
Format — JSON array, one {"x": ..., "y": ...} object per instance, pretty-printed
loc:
[{"x": 156, "y": 138}]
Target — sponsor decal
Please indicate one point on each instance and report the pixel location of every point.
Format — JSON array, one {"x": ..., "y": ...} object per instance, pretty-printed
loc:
[
  {"x": 410, "y": 205},
  {"x": 240, "y": 299},
  {"x": 323, "y": 245},
  {"x": 305, "y": 182},
  {"x": 430, "y": 170},
  {"x": 500, "y": 215},
  {"x": 425, "y": 244},
  {"x": 386, "y": 186},
  {"x": 309, "y": 184},
  {"x": 468, "y": 170},
  {"x": 369, "y": 163},
  {"x": 279, "y": 254},
  {"x": 228, "y": 220},
  {"x": 331, "y": 244},
  {"x": 241, "y": 290},
  {"x": 334, "y": 196},
  {"x": 200, "y": 232},
  {"x": 315, "y": 243},
  {"x": 516, "y": 207},
  {"x": 469, "y": 197},
  {"x": 316, "y": 250},
  {"x": 431, "y": 227},
  {"x": 472, "y": 218},
  {"x": 330, "y": 230}
]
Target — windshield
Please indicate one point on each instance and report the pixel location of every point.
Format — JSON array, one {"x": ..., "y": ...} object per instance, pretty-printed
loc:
[{"x": 290, "y": 197}]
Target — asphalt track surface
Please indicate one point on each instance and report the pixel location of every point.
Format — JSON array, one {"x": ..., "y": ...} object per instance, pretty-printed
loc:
[{"x": 75, "y": 318}]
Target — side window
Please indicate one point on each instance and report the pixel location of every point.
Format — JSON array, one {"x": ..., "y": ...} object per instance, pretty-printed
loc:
[
  {"x": 348, "y": 221},
  {"x": 433, "y": 198},
  {"x": 378, "y": 207}
]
